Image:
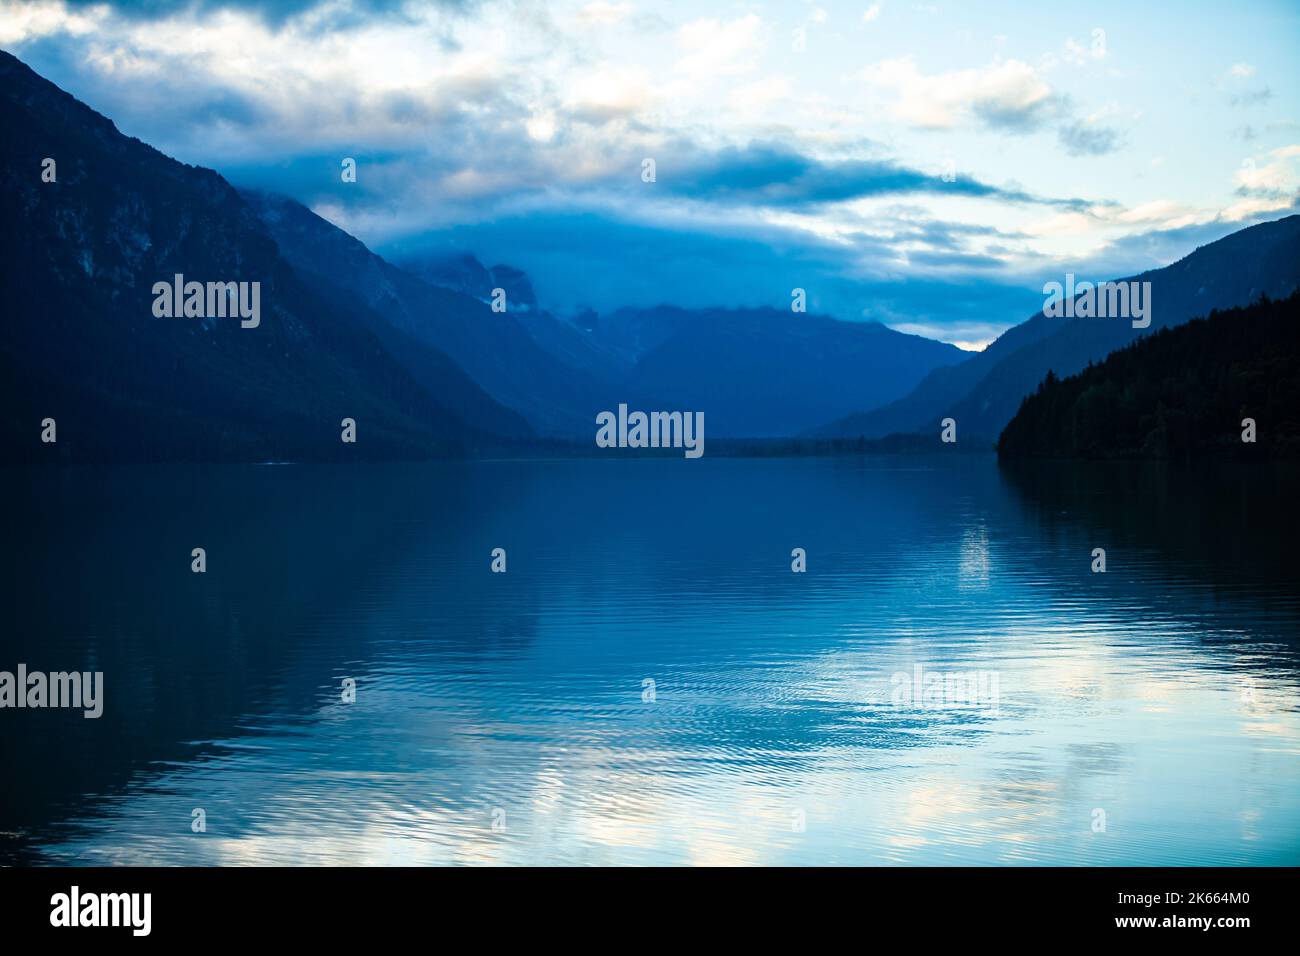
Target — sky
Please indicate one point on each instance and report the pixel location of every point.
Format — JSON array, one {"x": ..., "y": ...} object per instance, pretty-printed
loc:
[{"x": 925, "y": 165}]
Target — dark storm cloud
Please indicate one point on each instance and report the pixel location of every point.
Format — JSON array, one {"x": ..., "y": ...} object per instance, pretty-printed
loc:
[{"x": 772, "y": 175}]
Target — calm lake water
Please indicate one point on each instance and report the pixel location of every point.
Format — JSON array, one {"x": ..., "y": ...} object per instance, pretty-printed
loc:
[{"x": 1147, "y": 715}]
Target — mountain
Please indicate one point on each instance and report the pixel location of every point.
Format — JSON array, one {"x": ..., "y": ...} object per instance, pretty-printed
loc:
[
  {"x": 983, "y": 392},
  {"x": 464, "y": 273},
  {"x": 760, "y": 373},
  {"x": 461, "y": 273},
  {"x": 79, "y": 259},
  {"x": 1180, "y": 392},
  {"x": 755, "y": 373},
  {"x": 496, "y": 349}
]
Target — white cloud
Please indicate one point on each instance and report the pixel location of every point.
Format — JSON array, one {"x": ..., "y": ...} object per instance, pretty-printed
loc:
[
  {"x": 757, "y": 97},
  {"x": 716, "y": 48},
  {"x": 1274, "y": 173},
  {"x": 1164, "y": 212},
  {"x": 603, "y": 13},
  {"x": 27, "y": 21},
  {"x": 872, "y": 12},
  {"x": 541, "y": 126},
  {"x": 610, "y": 90},
  {"x": 1077, "y": 53},
  {"x": 1007, "y": 94}
]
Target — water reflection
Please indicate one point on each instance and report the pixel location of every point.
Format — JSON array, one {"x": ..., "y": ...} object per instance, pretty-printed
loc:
[{"x": 501, "y": 719}]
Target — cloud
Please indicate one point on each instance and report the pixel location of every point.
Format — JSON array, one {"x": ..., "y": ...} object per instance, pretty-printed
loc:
[
  {"x": 759, "y": 96},
  {"x": 774, "y": 175},
  {"x": 41, "y": 18},
  {"x": 1153, "y": 248},
  {"x": 608, "y": 91},
  {"x": 1251, "y": 97},
  {"x": 337, "y": 13},
  {"x": 1233, "y": 80},
  {"x": 229, "y": 86},
  {"x": 715, "y": 48},
  {"x": 1275, "y": 175},
  {"x": 1088, "y": 138},
  {"x": 602, "y": 13},
  {"x": 1077, "y": 54},
  {"x": 1007, "y": 95},
  {"x": 595, "y": 259}
]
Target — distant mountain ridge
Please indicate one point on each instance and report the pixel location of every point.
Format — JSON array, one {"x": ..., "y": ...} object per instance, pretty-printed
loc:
[
  {"x": 983, "y": 392},
  {"x": 754, "y": 372},
  {"x": 766, "y": 373},
  {"x": 464, "y": 273},
  {"x": 496, "y": 349}
]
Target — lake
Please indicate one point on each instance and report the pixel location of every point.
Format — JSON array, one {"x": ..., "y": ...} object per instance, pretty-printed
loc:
[{"x": 649, "y": 682}]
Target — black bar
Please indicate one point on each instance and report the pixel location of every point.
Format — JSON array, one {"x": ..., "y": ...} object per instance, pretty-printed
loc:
[{"x": 334, "y": 905}]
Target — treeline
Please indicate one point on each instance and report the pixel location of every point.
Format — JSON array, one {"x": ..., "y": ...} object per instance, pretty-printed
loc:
[
  {"x": 1178, "y": 393},
  {"x": 897, "y": 444}
]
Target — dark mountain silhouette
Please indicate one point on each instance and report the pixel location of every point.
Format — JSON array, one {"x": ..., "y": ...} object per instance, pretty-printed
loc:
[
  {"x": 753, "y": 372},
  {"x": 764, "y": 372},
  {"x": 495, "y": 348},
  {"x": 81, "y": 343},
  {"x": 984, "y": 392},
  {"x": 1181, "y": 392},
  {"x": 463, "y": 272}
]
